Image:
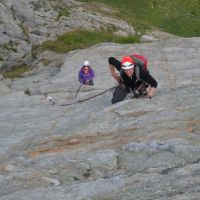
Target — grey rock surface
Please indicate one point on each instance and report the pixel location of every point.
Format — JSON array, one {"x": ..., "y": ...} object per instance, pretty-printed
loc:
[{"x": 136, "y": 149}]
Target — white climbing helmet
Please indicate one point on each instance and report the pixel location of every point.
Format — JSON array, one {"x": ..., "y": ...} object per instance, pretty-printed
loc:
[{"x": 86, "y": 63}]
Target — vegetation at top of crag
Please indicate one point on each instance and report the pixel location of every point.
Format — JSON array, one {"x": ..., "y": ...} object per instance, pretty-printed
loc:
[
  {"x": 180, "y": 17},
  {"x": 81, "y": 39}
]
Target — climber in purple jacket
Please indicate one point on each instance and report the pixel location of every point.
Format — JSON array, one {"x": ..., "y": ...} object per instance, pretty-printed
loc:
[{"x": 86, "y": 74}]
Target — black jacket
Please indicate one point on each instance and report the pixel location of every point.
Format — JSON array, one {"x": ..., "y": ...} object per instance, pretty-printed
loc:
[{"x": 133, "y": 83}]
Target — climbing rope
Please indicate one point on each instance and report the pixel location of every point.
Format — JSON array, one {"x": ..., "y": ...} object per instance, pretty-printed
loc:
[{"x": 86, "y": 99}]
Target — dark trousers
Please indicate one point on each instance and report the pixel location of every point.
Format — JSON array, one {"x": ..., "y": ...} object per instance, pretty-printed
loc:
[
  {"x": 90, "y": 82},
  {"x": 119, "y": 93}
]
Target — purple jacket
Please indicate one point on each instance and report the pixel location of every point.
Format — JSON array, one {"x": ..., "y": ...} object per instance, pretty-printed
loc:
[{"x": 85, "y": 77}]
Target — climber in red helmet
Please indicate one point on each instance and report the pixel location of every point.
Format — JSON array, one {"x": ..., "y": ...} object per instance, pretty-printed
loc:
[{"x": 133, "y": 77}]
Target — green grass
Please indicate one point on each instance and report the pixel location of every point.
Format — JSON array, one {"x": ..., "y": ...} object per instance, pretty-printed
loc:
[
  {"x": 25, "y": 31},
  {"x": 10, "y": 46},
  {"x": 16, "y": 72},
  {"x": 81, "y": 39},
  {"x": 1, "y": 58},
  {"x": 180, "y": 17},
  {"x": 62, "y": 11}
]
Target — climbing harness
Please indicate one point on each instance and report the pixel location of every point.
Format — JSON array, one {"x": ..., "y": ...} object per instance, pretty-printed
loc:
[{"x": 140, "y": 91}]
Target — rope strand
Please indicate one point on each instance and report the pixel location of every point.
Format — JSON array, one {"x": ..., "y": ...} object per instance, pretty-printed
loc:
[{"x": 86, "y": 99}]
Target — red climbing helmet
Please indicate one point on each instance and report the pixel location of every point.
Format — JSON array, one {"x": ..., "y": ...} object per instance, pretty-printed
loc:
[{"x": 127, "y": 62}]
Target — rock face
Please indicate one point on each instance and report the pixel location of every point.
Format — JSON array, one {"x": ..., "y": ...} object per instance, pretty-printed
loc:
[
  {"x": 25, "y": 23},
  {"x": 136, "y": 149}
]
